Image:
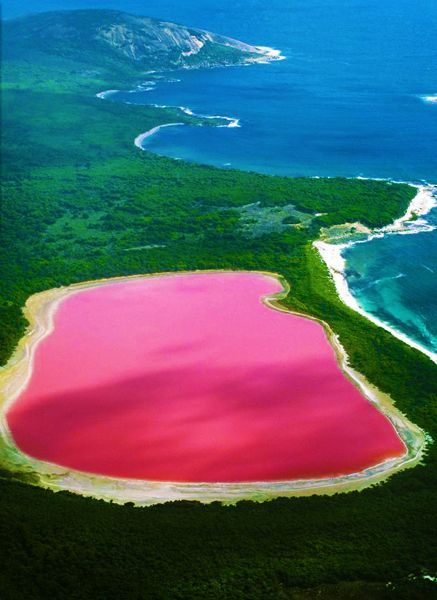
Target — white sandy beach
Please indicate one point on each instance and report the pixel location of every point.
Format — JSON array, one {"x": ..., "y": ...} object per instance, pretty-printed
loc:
[
  {"x": 421, "y": 205},
  {"x": 143, "y": 136}
]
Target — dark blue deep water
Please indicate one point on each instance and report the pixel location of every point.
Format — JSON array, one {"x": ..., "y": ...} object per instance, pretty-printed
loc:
[{"x": 347, "y": 101}]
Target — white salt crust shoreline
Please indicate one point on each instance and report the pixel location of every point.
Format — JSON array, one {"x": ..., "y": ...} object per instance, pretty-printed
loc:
[
  {"x": 331, "y": 253},
  {"x": 40, "y": 310}
]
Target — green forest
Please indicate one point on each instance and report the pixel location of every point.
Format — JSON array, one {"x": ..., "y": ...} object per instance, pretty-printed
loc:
[{"x": 80, "y": 202}]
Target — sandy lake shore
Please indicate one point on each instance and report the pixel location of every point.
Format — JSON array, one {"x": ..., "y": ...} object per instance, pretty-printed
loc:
[{"x": 40, "y": 309}]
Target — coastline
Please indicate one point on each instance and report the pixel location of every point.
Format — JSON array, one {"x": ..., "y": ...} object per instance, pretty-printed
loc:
[
  {"x": 40, "y": 309},
  {"x": 331, "y": 254},
  {"x": 422, "y": 203},
  {"x": 138, "y": 141},
  {"x": 266, "y": 56},
  {"x": 143, "y": 136},
  {"x": 269, "y": 55},
  {"x": 120, "y": 490},
  {"x": 232, "y": 122}
]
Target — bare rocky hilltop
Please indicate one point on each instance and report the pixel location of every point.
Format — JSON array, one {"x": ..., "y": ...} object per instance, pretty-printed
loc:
[{"x": 105, "y": 36}]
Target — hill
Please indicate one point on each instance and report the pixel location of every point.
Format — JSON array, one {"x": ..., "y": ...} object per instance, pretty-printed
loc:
[{"x": 110, "y": 38}]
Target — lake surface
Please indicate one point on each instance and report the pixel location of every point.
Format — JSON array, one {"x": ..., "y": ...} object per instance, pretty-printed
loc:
[
  {"x": 349, "y": 100},
  {"x": 192, "y": 378}
]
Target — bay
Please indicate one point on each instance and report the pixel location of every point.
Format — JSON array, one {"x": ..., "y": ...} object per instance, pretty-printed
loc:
[{"x": 349, "y": 100}]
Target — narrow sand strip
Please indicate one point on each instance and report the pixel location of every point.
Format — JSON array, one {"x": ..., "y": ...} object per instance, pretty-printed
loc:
[
  {"x": 40, "y": 309},
  {"x": 143, "y": 136}
]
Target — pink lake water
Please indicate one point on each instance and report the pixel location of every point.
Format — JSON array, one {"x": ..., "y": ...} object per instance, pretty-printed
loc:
[{"x": 191, "y": 378}]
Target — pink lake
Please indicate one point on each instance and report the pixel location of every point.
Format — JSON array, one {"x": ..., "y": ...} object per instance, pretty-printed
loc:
[{"x": 191, "y": 378}]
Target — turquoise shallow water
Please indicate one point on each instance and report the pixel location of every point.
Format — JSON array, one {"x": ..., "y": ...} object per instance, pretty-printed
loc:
[
  {"x": 347, "y": 101},
  {"x": 395, "y": 279}
]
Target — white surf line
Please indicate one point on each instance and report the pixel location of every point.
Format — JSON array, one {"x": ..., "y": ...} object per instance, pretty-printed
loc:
[
  {"x": 421, "y": 204},
  {"x": 431, "y": 99},
  {"x": 267, "y": 55},
  {"x": 143, "y": 136},
  {"x": 270, "y": 54},
  {"x": 106, "y": 93},
  {"x": 231, "y": 121}
]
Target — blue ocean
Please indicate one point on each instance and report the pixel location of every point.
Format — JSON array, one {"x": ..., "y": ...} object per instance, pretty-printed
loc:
[{"x": 350, "y": 100}]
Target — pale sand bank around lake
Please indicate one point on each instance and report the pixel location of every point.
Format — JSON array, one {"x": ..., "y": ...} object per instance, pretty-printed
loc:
[{"x": 40, "y": 309}]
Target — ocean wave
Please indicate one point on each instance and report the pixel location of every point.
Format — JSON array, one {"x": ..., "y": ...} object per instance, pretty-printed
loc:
[
  {"x": 332, "y": 256},
  {"x": 106, "y": 93},
  {"x": 382, "y": 280},
  {"x": 268, "y": 55},
  {"x": 149, "y": 88},
  {"x": 429, "y": 99},
  {"x": 427, "y": 268},
  {"x": 150, "y": 85}
]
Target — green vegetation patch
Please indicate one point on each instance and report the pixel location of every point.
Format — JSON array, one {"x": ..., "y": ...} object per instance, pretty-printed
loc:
[{"x": 257, "y": 220}]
